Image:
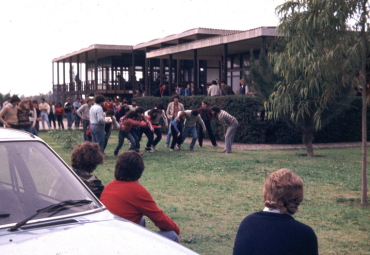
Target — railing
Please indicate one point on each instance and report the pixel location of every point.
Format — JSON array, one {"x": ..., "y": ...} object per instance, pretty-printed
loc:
[{"x": 89, "y": 86}]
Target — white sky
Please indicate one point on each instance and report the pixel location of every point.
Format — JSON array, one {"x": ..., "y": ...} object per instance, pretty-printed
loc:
[{"x": 36, "y": 31}]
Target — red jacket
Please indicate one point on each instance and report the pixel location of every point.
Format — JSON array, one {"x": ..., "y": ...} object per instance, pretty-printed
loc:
[
  {"x": 200, "y": 110},
  {"x": 59, "y": 110},
  {"x": 109, "y": 106},
  {"x": 126, "y": 124},
  {"x": 132, "y": 201}
]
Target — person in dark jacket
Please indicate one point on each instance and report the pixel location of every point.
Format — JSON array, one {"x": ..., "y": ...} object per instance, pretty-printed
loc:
[
  {"x": 205, "y": 114},
  {"x": 274, "y": 230}
]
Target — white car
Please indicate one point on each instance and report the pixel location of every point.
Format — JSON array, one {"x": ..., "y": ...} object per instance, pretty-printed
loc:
[{"x": 46, "y": 209}]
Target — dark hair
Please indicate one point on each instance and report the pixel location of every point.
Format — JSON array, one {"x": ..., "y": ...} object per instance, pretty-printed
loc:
[
  {"x": 194, "y": 112},
  {"x": 14, "y": 99},
  {"x": 176, "y": 96},
  {"x": 60, "y": 104},
  {"x": 133, "y": 100},
  {"x": 151, "y": 112},
  {"x": 35, "y": 101},
  {"x": 88, "y": 100},
  {"x": 109, "y": 113},
  {"x": 31, "y": 103},
  {"x": 131, "y": 115},
  {"x": 129, "y": 166},
  {"x": 160, "y": 106},
  {"x": 214, "y": 82},
  {"x": 42, "y": 99},
  {"x": 86, "y": 157},
  {"x": 140, "y": 110},
  {"x": 215, "y": 109},
  {"x": 223, "y": 82},
  {"x": 205, "y": 102},
  {"x": 99, "y": 99},
  {"x": 124, "y": 102}
]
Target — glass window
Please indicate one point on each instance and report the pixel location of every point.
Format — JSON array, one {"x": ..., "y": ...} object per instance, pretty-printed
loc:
[{"x": 236, "y": 61}]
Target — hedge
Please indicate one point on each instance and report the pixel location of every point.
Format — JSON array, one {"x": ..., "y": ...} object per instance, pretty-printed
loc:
[{"x": 255, "y": 129}]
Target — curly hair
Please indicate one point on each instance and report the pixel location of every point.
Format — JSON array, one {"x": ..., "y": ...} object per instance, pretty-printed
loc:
[
  {"x": 151, "y": 112},
  {"x": 99, "y": 99},
  {"x": 140, "y": 110},
  {"x": 129, "y": 166},
  {"x": 86, "y": 157},
  {"x": 131, "y": 115},
  {"x": 194, "y": 112},
  {"x": 283, "y": 190}
]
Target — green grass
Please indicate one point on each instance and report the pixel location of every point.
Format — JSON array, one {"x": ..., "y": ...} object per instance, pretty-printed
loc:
[{"x": 208, "y": 194}]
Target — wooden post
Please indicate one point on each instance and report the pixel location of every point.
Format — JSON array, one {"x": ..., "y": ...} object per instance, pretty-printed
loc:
[
  {"x": 150, "y": 77},
  {"x": 78, "y": 76},
  {"x": 96, "y": 71},
  {"x": 178, "y": 71},
  {"x": 145, "y": 73},
  {"x": 195, "y": 67},
  {"x": 224, "y": 76},
  {"x": 86, "y": 71},
  {"x": 170, "y": 74},
  {"x": 161, "y": 71}
]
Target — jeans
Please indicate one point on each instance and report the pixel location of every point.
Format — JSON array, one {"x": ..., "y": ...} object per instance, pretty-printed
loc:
[
  {"x": 193, "y": 131},
  {"x": 85, "y": 124},
  {"x": 134, "y": 132},
  {"x": 158, "y": 133},
  {"x": 207, "y": 123},
  {"x": 77, "y": 121},
  {"x": 176, "y": 139},
  {"x": 28, "y": 129},
  {"x": 169, "y": 134},
  {"x": 149, "y": 135},
  {"x": 70, "y": 119},
  {"x": 98, "y": 135},
  {"x": 52, "y": 119},
  {"x": 121, "y": 139},
  {"x": 60, "y": 121},
  {"x": 44, "y": 117},
  {"x": 170, "y": 234},
  {"x": 229, "y": 137}
]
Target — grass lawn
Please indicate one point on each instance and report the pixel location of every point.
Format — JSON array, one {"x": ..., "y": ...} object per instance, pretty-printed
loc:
[{"x": 208, "y": 194}]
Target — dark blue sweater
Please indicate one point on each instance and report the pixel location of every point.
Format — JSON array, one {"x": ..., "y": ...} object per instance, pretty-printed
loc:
[{"x": 273, "y": 233}]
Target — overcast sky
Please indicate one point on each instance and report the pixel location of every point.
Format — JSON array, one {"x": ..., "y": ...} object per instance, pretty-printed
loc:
[{"x": 36, "y": 31}]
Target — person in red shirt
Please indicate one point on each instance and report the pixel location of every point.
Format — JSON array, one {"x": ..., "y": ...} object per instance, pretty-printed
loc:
[
  {"x": 127, "y": 198},
  {"x": 109, "y": 104},
  {"x": 126, "y": 122},
  {"x": 59, "y": 111}
]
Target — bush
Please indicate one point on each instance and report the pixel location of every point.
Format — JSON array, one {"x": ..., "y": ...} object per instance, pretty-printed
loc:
[{"x": 254, "y": 129}]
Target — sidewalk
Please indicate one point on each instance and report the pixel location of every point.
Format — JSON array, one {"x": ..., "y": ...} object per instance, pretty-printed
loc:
[{"x": 251, "y": 147}]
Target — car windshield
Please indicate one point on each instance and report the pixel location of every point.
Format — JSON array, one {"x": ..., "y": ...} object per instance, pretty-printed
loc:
[{"x": 33, "y": 177}]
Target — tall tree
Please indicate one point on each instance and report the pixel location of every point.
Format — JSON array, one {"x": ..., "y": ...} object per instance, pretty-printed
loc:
[{"x": 323, "y": 60}]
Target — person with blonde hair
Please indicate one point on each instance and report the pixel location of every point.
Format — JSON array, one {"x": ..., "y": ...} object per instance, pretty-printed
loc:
[
  {"x": 274, "y": 230},
  {"x": 24, "y": 115}
]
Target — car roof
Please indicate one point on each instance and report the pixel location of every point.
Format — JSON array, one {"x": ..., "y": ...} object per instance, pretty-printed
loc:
[{"x": 8, "y": 134}]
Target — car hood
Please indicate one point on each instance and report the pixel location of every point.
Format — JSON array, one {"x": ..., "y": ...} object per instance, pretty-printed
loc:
[{"x": 96, "y": 233}]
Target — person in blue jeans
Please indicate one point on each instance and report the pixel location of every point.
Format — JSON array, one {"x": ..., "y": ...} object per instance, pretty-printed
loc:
[
  {"x": 188, "y": 90},
  {"x": 68, "y": 109},
  {"x": 97, "y": 121},
  {"x": 192, "y": 117}
]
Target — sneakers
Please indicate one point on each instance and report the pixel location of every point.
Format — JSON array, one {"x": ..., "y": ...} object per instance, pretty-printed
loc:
[
  {"x": 166, "y": 146},
  {"x": 148, "y": 150},
  {"x": 154, "y": 148},
  {"x": 191, "y": 149}
]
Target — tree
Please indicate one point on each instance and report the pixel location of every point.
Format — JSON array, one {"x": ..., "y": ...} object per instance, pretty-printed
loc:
[{"x": 324, "y": 60}]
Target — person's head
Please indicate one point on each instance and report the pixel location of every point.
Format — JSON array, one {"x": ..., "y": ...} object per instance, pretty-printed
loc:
[
  {"x": 131, "y": 115},
  {"x": 42, "y": 100},
  {"x": 133, "y": 102},
  {"x": 109, "y": 113},
  {"x": 192, "y": 84},
  {"x": 99, "y": 99},
  {"x": 30, "y": 103},
  {"x": 35, "y": 102},
  {"x": 129, "y": 166},
  {"x": 188, "y": 85},
  {"x": 194, "y": 113},
  {"x": 153, "y": 113},
  {"x": 89, "y": 101},
  {"x": 8, "y": 99},
  {"x": 215, "y": 110},
  {"x": 78, "y": 99},
  {"x": 160, "y": 108},
  {"x": 14, "y": 100},
  {"x": 69, "y": 100},
  {"x": 51, "y": 102},
  {"x": 24, "y": 105},
  {"x": 176, "y": 99},
  {"x": 283, "y": 190},
  {"x": 109, "y": 100},
  {"x": 214, "y": 82},
  {"x": 140, "y": 110},
  {"x": 204, "y": 104},
  {"x": 242, "y": 82},
  {"x": 182, "y": 115},
  {"x": 125, "y": 104},
  {"x": 223, "y": 83},
  {"x": 86, "y": 157}
]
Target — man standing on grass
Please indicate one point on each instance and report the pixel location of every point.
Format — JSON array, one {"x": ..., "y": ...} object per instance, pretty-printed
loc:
[
  {"x": 44, "y": 112},
  {"x": 172, "y": 111},
  {"x": 68, "y": 109},
  {"x": 84, "y": 113},
  {"x": 205, "y": 114},
  {"x": 98, "y": 121},
  {"x": 76, "y": 106},
  {"x": 10, "y": 113},
  {"x": 192, "y": 117},
  {"x": 155, "y": 122}
]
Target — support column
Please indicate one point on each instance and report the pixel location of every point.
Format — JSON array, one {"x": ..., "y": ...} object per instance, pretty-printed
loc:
[
  {"x": 145, "y": 73},
  {"x": 70, "y": 75},
  {"x": 263, "y": 45},
  {"x": 178, "y": 72},
  {"x": 205, "y": 77},
  {"x": 161, "y": 71},
  {"x": 220, "y": 69},
  {"x": 78, "y": 76},
  {"x": 170, "y": 74},
  {"x": 64, "y": 81},
  {"x": 195, "y": 67},
  {"x": 224, "y": 74},
  {"x": 121, "y": 79},
  {"x": 58, "y": 85},
  {"x": 111, "y": 76},
  {"x": 86, "y": 71},
  {"x": 53, "y": 90},
  {"x": 149, "y": 93},
  {"x": 96, "y": 71},
  {"x": 133, "y": 70}
]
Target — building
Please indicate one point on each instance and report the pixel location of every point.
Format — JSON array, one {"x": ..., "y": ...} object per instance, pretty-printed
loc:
[{"x": 199, "y": 55}]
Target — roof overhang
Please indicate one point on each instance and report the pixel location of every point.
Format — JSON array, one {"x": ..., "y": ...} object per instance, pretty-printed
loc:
[
  {"x": 103, "y": 51},
  {"x": 212, "y": 48}
]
